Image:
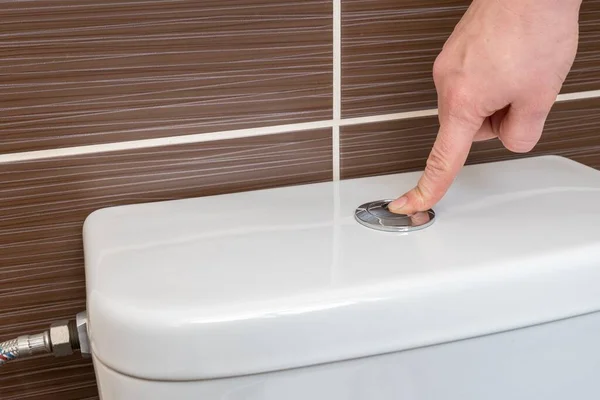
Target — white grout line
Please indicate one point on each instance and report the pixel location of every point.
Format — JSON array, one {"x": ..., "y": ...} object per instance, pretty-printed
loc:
[
  {"x": 578, "y": 95},
  {"x": 335, "y": 134},
  {"x": 241, "y": 133},
  {"x": 337, "y": 86},
  {"x": 164, "y": 141},
  {"x": 337, "y": 60},
  {"x": 214, "y": 136},
  {"x": 389, "y": 117}
]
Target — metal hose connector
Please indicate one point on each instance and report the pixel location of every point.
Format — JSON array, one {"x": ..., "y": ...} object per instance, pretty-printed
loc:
[
  {"x": 62, "y": 339},
  {"x": 25, "y": 346}
]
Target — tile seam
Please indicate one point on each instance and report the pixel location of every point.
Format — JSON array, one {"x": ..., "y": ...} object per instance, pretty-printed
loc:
[
  {"x": 337, "y": 86},
  {"x": 388, "y": 117},
  {"x": 590, "y": 94},
  {"x": 162, "y": 141},
  {"x": 241, "y": 133},
  {"x": 430, "y": 112},
  {"x": 336, "y": 159}
]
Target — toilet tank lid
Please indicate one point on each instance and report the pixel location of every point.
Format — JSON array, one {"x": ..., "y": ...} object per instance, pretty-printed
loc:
[{"x": 267, "y": 280}]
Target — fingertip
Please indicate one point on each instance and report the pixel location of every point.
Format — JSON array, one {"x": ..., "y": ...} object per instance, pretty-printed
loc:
[
  {"x": 406, "y": 204},
  {"x": 398, "y": 205},
  {"x": 448, "y": 155}
]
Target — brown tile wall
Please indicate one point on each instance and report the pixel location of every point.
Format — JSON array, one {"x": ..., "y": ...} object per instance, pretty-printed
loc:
[
  {"x": 43, "y": 205},
  {"x": 398, "y": 146},
  {"x": 91, "y": 73},
  {"x": 114, "y": 70},
  {"x": 389, "y": 47}
]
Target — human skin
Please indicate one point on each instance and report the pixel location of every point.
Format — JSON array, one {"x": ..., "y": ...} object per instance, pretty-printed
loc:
[{"x": 497, "y": 76}]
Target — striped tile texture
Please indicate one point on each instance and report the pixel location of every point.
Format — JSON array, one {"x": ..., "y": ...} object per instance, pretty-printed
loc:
[
  {"x": 399, "y": 146},
  {"x": 43, "y": 205},
  {"x": 78, "y": 73},
  {"x": 49, "y": 378},
  {"x": 389, "y": 46},
  {"x": 74, "y": 73}
]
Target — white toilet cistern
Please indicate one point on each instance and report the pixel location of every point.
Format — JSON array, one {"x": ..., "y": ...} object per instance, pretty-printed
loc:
[{"x": 324, "y": 300}]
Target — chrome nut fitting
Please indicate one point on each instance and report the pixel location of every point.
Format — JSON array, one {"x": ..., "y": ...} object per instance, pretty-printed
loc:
[
  {"x": 60, "y": 339},
  {"x": 82, "y": 334}
]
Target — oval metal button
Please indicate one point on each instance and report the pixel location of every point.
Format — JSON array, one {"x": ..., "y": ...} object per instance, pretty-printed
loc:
[{"x": 376, "y": 215}]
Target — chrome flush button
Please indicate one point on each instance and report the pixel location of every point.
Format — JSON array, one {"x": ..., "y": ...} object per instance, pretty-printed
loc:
[{"x": 376, "y": 215}]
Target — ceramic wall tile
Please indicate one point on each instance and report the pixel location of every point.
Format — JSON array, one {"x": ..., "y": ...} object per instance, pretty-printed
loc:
[
  {"x": 43, "y": 204},
  {"x": 104, "y": 72},
  {"x": 69, "y": 378},
  {"x": 389, "y": 46},
  {"x": 97, "y": 72},
  {"x": 404, "y": 145},
  {"x": 585, "y": 74}
]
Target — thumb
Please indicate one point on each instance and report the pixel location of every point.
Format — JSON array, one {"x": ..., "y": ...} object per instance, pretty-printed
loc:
[
  {"x": 522, "y": 128},
  {"x": 447, "y": 157}
]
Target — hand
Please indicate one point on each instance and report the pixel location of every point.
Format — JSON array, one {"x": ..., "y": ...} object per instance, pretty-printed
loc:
[{"x": 498, "y": 75}]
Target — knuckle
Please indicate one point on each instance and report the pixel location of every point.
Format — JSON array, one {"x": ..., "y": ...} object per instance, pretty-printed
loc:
[
  {"x": 456, "y": 101},
  {"x": 537, "y": 99},
  {"x": 456, "y": 98},
  {"x": 437, "y": 165},
  {"x": 439, "y": 69},
  {"x": 461, "y": 110},
  {"x": 437, "y": 168},
  {"x": 538, "y": 112}
]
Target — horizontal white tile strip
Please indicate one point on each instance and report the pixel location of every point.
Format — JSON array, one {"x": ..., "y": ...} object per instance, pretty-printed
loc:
[
  {"x": 209, "y": 137},
  {"x": 239, "y": 133},
  {"x": 578, "y": 96},
  {"x": 166, "y": 141},
  {"x": 388, "y": 117}
]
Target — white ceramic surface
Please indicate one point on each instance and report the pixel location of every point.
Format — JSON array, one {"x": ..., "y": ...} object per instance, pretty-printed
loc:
[
  {"x": 556, "y": 361},
  {"x": 252, "y": 282}
]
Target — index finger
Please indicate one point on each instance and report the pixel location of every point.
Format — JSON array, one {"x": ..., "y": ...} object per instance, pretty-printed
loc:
[{"x": 447, "y": 157}]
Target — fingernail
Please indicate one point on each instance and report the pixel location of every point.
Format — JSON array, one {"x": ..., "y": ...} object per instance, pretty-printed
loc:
[{"x": 397, "y": 204}]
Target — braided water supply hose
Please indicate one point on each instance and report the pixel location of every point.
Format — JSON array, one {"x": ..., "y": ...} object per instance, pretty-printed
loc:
[
  {"x": 8, "y": 351},
  {"x": 62, "y": 339},
  {"x": 25, "y": 346}
]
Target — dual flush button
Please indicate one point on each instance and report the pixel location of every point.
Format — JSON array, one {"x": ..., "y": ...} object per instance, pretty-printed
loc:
[{"x": 376, "y": 215}]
